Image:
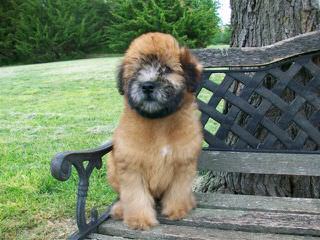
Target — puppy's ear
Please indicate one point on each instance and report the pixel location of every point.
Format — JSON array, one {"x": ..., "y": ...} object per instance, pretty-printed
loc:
[
  {"x": 192, "y": 69},
  {"x": 120, "y": 81}
]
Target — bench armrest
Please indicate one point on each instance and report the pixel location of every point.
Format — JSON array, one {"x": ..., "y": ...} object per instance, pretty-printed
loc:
[
  {"x": 61, "y": 163},
  {"x": 61, "y": 166}
]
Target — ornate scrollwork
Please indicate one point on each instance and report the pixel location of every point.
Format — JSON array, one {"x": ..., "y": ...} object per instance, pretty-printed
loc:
[{"x": 61, "y": 166}]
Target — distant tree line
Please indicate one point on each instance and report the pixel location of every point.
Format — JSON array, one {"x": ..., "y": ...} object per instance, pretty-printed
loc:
[
  {"x": 223, "y": 36},
  {"x": 34, "y": 31}
]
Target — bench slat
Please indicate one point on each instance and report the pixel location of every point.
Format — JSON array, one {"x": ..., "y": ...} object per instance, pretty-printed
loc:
[
  {"x": 261, "y": 163},
  {"x": 258, "y": 203},
  {"x": 257, "y": 56},
  {"x": 173, "y": 232},
  {"x": 95, "y": 236},
  {"x": 252, "y": 221}
]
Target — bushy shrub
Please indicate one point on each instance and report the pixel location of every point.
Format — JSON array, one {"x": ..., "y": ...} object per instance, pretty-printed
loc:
[
  {"x": 34, "y": 31},
  {"x": 8, "y": 14},
  {"x": 48, "y": 30},
  {"x": 192, "y": 22}
]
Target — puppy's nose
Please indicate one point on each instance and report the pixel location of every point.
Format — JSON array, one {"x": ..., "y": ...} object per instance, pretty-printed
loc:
[{"x": 148, "y": 87}]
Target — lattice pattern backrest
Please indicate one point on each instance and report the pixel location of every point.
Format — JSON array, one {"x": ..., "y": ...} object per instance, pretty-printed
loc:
[{"x": 273, "y": 107}]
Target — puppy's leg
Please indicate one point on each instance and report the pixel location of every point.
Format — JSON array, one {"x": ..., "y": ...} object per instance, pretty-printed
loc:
[
  {"x": 137, "y": 202},
  {"x": 178, "y": 200},
  {"x": 112, "y": 174},
  {"x": 117, "y": 210}
]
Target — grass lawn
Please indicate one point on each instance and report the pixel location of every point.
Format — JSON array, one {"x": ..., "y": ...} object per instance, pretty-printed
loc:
[{"x": 45, "y": 109}]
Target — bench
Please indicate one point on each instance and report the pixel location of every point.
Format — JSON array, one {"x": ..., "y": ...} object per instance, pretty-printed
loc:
[{"x": 248, "y": 139}]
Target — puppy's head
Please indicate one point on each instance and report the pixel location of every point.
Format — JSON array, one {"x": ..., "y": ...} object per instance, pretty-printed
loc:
[{"x": 156, "y": 74}]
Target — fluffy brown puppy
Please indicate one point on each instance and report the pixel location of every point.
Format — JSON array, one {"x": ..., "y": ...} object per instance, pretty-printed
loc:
[{"x": 158, "y": 140}]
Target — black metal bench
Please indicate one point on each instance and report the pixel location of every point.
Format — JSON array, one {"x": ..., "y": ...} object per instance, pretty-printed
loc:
[{"x": 249, "y": 140}]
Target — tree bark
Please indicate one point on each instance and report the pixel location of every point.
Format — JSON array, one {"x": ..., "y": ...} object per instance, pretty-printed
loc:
[{"x": 258, "y": 23}]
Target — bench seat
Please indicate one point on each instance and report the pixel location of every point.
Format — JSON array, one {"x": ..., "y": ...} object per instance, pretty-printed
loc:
[
  {"x": 227, "y": 216},
  {"x": 251, "y": 126}
]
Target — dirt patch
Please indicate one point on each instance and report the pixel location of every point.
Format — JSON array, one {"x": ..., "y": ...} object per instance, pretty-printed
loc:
[{"x": 53, "y": 229}]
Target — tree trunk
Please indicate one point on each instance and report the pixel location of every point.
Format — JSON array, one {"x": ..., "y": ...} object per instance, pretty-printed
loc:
[{"x": 258, "y": 23}]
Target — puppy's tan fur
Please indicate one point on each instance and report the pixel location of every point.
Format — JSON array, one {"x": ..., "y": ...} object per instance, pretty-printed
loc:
[{"x": 155, "y": 159}]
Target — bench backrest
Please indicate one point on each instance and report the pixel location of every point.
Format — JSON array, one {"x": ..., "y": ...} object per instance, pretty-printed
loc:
[{"x": 262, "y": 100}]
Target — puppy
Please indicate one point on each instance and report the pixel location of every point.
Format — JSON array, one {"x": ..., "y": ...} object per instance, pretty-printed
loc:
[{"x": 158, "y": 140}]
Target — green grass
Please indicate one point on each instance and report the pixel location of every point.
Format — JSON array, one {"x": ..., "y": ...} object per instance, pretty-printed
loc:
[{"x": 45, "y": 109}]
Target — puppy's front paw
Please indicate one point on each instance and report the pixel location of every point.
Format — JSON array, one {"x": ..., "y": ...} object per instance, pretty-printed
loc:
[
  {"x": 175, "y": 214},
  {"x": 141, "y": 221},
  {"x": 177, "y": 211}
]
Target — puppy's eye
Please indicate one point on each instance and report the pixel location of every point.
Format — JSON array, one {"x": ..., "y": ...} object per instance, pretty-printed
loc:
[{"x": 167, "y": 70}]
